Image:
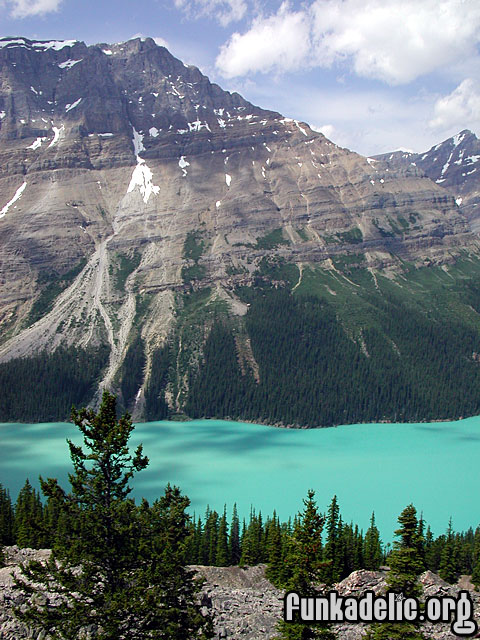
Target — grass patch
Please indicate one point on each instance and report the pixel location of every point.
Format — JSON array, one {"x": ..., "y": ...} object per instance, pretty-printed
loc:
[
  {"x": 352, "y": 236},
  {"x": 271, "y": 240},
  {"x": 54, "y": 285},
  {"x": 123, "y": 267}
]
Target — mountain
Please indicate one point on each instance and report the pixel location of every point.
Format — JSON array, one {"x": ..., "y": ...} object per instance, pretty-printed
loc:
[
  {"x": 202, "y": 256},
  {"x": 452, "y": 164}
]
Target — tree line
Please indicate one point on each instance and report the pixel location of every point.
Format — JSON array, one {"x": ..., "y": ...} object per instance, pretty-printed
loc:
[
  {"x": 217, "y": 540},
  {"x": 313, "y": 373},
  {"x": 121, "y": 568}
]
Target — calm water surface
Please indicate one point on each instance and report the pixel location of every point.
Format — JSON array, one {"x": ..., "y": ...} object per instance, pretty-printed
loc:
[{"x": 380, "y": 467}]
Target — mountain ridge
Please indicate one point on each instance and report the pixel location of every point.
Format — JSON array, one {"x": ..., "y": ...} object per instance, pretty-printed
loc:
[
  {"x": 141, "y": 202},
  {"x": 452, "y": 164}
]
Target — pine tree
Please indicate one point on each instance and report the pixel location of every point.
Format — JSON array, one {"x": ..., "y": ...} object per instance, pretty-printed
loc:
[
  {"x": 234, "y": 538},
  {"x": 476, "y": 559},
  {"x": 28, "y": 524},
  {"x": 372, "y": 548},
  {"x": 222, "y": 556},
  {"x": 448, "y": 561},
  {"x": 421, "y": 542},
  {"x": 7, "y": 517},
  {"x": 405, "y": 560},
  {"x": 168, "y": 607},
  {"x": 405, "y": 565},
  {"x": 274, "y": 550},
  {"x": 333, "y": 565},
  {"x": 252, "y": 552},
  {"x": 132, "y": 583},
  {"x": 303, "y": 569}
]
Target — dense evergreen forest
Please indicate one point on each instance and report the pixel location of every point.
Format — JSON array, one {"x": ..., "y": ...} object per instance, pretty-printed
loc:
[
  {"x": 312, "y": 373},
  {"x": 313, "y": 349},
  {"x": 216, "y": 539},
  {"x": 44, "y": 388},
  {"x": 134, "y": 557}
]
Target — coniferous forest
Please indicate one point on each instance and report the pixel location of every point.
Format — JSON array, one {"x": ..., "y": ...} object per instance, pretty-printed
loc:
[
  {"x": 299, "y": 356},
  {"x": 134, "y": 557},
  {"x": 223, "y": 539},
  {"x": 313, "y": 374}
]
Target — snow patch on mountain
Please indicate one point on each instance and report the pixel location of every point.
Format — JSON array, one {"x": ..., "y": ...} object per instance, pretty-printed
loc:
[
  {"x": 183, "y": 164},
  {"x": 69, "y": 63},
  {"x": 17, "y": 196},
  {"x": 57, "y": 45},
  {"x": 36, "y": 144},
  {"x": 56, "y": 135},
  {"x": 69, "y": 107},
  {"x": 458, "y": 138},
  {"x": 137, "y": 143},
  {"x": 142, "y": 178}
]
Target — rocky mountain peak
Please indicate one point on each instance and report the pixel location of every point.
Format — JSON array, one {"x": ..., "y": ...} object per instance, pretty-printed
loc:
[
  {"x": 120, "y": 159},
  {"x": 454, "y": 165}
]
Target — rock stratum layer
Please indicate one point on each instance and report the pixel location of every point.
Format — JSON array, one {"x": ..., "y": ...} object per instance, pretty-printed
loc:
[
  {"x": 452, "y": 164},
  {"x": 127, "y": 178}
]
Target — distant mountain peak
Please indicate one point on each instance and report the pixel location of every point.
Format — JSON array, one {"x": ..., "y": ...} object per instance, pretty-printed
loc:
[{"x": 453, "y": 164}]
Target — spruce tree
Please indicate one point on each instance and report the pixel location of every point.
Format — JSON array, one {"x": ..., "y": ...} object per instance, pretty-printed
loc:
[
  {"x": 372, "y": 547},
  {"x": 234, "y": 539},
  {"x": 405, "y": 560},
  {"x": 405, "y": 566},
  {"x": 476, "y": 559},
  {"x": 333, "y": 565},
  {"x": 7, "y": 517},
  {"x": 222, "y": 557},
  {"x": 28, "y": 524},
  {"x": 304, "y": 566},
  {"x": 448, "y": 559},
  {"x": 273, "y": 550},
  {"x": 119, "y": 568}
]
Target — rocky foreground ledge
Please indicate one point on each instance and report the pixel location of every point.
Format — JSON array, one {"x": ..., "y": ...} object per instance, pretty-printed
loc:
[{"x": 245, "y": 605}]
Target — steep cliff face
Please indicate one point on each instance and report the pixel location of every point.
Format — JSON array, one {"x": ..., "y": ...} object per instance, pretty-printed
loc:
[{"x": 127, "y": 178}]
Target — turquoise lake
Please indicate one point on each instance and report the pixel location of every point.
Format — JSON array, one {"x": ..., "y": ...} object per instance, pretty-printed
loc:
[{"x": 381, "y": 467}]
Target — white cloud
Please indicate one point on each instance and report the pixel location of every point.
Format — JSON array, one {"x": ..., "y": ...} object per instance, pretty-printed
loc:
[
  {"x": 328, "y": 130},
  {"x": 395, "y": 41},
  {"x": 224, "y": 11},
  {"x": 460, "y": 109},
  {"x": 161, "y": 42},
  {"x": 25, "y": 8},
  {"x": 281, "y": 41}
]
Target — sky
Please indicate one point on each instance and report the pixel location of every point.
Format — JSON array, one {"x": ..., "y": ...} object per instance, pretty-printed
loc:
[{"x": 372, "y": 75}]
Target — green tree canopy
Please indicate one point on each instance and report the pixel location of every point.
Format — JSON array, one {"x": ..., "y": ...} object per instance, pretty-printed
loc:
[{"x": 120, "y": 567}]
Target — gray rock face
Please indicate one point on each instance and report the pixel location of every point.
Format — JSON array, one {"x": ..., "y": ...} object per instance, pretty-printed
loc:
[
  {"x": 110, "y": 152},
  {"x": 454, "y": 165},
  {"x": 244, "y": 604}
]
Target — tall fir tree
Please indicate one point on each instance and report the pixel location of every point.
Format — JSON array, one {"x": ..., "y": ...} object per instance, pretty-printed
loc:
[
  {"x": 303, "y": 570},
  {"x": 274, "y": 550},
  {"x": 234, "y": 537},
  {"x": 332, "y": 553},
  {"x": 222, "y": 556},
  {"x": 405, "y": 566},
  {"x": 7, "y": 517},
  {"x": 28, "y": 523},
  {"x": 476, "y": 559},
  {"x": 372, "y": 547},
  {"x": 448, "y": 558},
  {"x": 132, "y": 583}
]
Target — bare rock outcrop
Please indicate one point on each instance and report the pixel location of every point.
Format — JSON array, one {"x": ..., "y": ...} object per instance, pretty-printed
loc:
[
  {"x": 115, "y": 152},
  {"x": 244, "y": 604}
]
